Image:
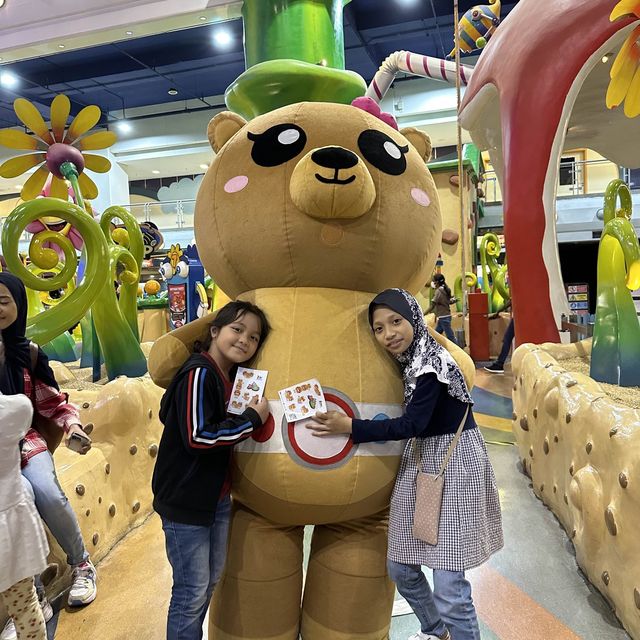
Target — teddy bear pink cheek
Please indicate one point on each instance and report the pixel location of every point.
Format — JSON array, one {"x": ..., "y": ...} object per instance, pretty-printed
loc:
[
  {"x": 236, "y": 184},
  {"x": 420, "y": 197}
]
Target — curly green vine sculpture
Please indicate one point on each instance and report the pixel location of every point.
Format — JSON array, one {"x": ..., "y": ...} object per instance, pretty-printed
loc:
[
  {"x": 493, "y": 273},
  {"x": 55, "y": 320},
  {"x": 615, "y": 356},
  {"x": 471, "y": 282}
]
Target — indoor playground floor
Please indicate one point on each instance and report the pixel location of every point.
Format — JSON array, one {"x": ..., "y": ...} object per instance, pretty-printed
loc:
[{"x": 531, "y": 590}]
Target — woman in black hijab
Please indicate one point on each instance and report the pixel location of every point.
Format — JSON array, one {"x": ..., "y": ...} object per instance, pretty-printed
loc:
[{"x": 24, "y": 368}]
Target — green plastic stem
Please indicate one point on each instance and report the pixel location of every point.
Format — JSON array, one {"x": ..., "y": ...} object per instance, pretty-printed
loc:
[{"x": 307, "y": 30}]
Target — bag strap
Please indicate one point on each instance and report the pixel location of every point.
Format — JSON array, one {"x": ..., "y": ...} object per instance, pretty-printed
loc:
[{"x": 451, "y": 449}]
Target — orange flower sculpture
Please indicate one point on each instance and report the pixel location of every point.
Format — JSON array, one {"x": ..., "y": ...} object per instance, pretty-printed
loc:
[
  {"x": 52, "y": 148},
  {"x": 625, "y": 71}
]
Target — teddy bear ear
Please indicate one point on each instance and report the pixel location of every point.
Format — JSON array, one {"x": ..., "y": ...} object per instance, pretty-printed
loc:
[
  {"x": 222, "y": 127},
  {"x": 420, "y": 140}
]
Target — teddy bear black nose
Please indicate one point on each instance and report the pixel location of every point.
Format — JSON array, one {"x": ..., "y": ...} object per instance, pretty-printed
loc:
[{"x": 335, "y": 158}]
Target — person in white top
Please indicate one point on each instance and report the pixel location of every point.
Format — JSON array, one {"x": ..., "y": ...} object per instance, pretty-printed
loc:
[{"x": 23, "y": 543}]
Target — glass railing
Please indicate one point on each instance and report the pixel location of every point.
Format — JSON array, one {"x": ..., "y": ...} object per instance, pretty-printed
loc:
[{"x": 576, "y": 178}]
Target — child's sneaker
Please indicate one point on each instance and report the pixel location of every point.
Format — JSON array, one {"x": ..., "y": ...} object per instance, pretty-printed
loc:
[
  {"x": 83, "y": 588},
  {"x": 495, "y": 367},
  {"x": 9, "y": 632},
  {"x": 427, "y": 636}
]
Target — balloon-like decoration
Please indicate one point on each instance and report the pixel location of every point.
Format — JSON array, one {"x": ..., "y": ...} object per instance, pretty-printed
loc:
[
  {"x": 476, "y": 27},
  {"x": 471, "y": 282},
  {"x": 624, "y": 85},
  {"x": 494, "y": 274},
  {"x": 615, "y": 356}
]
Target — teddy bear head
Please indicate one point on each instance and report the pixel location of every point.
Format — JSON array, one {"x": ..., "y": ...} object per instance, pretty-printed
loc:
[{"x": 317, "y": 195}]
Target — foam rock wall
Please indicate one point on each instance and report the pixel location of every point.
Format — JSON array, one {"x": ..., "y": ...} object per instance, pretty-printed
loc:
[
  {"x": 582, "y": 452},
  {"x": 110, "y": 487}
]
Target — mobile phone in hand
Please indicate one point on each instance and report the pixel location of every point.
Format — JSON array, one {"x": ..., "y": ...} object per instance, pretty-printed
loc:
[{"x": 78, "y": 442}]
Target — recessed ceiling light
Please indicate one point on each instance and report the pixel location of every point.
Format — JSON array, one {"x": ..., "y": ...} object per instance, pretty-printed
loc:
[
  {"x": 172, "y": 91},
  {"x": 222, "y": 37},
  {"x": 123, "y": 126},
  {"x": 128, "y": 33},
  {"x": 204, "y": 166},
  {"x": 2, "y": 3},
  {"x": 606, "y": 56},
  {"x": 203, "y": 18},
  {"x": 155, "y": 171},
  {"x": 60, "y": 46},
  {"x": 17, "y": 186},
  {"x": 8, "y": 79}
]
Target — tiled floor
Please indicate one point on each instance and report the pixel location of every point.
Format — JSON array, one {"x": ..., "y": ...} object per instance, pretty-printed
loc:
[{"x": 531, "y": 590}]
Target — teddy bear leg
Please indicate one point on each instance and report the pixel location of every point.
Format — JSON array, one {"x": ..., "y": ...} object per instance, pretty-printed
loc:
[
  {"x": 347, "y": 592},
  {"x": 258, "y": 596}
]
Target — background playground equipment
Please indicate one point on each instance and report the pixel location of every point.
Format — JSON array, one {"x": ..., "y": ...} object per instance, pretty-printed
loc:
[
  {"x": 476, "y": 27},
  {"x": 493, "y": 273},
  {"x": 116, "y": 332},
  {"x": 184, "y": 275},
  {"x": 526, "y": 126},
  {"x": 615, "y": 357},
  {"x": 62, "y": 347}
]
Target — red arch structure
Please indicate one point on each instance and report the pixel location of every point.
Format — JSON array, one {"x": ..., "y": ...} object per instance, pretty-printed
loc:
[{"x": 528, "y": 77}]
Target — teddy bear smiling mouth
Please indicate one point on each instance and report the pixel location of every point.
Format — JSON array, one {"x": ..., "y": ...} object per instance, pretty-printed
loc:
[{"x": 335, "y": 179}]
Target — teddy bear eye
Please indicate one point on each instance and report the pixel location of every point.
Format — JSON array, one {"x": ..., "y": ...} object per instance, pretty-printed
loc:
[
  {"x": 382, "y": 152},
  {"x": 277, "y": 145}
]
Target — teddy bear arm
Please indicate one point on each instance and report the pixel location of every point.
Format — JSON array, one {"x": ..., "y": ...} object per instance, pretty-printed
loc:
[
  {"x": 463, "y": 360},
  {"x": 171, "y": 351}
]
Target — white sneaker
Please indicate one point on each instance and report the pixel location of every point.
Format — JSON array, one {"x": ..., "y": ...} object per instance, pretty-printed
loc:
[
  {"x": 9, "y": 632},
  {"x": 428, "y": 636},
  {"x": 83, "y": 588}
]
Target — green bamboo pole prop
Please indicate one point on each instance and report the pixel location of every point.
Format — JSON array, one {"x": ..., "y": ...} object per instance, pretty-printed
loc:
[
  {"x": 294, "y": 51},
  {"x": 615, "y": 355}
]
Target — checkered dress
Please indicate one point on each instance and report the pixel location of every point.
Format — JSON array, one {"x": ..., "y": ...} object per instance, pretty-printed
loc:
[{"x": 470, "y": 521}]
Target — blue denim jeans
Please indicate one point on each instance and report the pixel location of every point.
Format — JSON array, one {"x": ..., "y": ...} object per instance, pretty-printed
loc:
[
  {"x": 444, "y": 326},
  {"x": 414, "y": 588},
  {"x": 197, "y": 556},
  {"x": 40, "y": 481},
  {"x": 452, "y": 593}
]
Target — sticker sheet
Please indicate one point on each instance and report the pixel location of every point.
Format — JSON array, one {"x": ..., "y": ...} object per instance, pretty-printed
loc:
[
  {"x": 302, "y": 400},
  {"x": 248, "y": 383}
]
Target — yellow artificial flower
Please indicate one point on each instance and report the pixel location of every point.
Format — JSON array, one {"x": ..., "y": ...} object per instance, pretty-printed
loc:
[
  {"x": 625, "y": 71},
  {"x": 55, "y": 146}
]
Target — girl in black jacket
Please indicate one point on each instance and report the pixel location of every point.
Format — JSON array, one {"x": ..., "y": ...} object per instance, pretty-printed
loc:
[{"x": 189, "y": 479}]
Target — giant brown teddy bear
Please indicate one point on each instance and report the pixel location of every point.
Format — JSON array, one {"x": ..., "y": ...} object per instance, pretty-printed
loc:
[{"x": 308, "y": 211}]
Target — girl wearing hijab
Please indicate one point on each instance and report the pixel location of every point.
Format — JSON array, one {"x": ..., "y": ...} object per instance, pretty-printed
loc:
[
  {"x": 436, "y": 402},
  {"x": 20, "y": 373}
]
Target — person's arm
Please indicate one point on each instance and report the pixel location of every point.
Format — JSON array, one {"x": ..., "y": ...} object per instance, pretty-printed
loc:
[
  {"x": 198, "y": 397},
  {"x": 52, "y": 403},
  {"x": 414, "y": 422},
  {"x": 431, "y": 306}
]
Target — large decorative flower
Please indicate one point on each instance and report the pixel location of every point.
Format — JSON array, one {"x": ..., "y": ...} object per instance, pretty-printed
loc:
[
  {"x": 625, "y": 71},
  {"x": 55, "y": 147}
]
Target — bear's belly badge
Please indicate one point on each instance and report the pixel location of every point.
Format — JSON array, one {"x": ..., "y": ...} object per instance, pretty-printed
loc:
[{"x": 279, "y": 436}]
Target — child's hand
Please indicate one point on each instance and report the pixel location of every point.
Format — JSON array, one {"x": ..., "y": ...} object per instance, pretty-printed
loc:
[
  {"x": 330, "y": 423},
  {"x": 260, "y": 406},
  {"x": 77, "y": 440}
]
